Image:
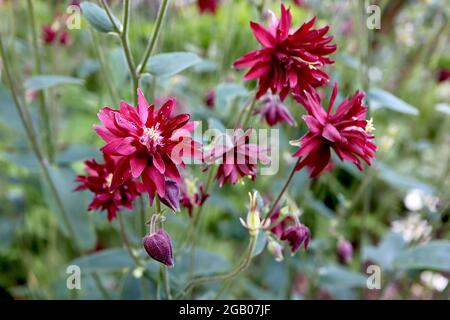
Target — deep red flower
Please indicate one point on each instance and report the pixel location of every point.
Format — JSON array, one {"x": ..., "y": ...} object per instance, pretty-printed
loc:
[
  {"x": 297, "y": 235},
  {"x": 48, "y": 34},
  {"x": 239, "y": 157},
  {"x": 346, "y": 131},
  {"x": 443, "y": 75},
  {"x": 98, "y": 180},
  {"x": 344, "y": 251},
  {"x": 288, "y": 61},
  {"x": 158, "y": 244},
  {"x": 64, "y": 38},
  {"x": 192, "y": 194},
  {"x": 210, "y": 6},
  {"x": 274, "y": 111},
  {"x": 210, "y": 99},
  {"x": 148, "y": 143}
]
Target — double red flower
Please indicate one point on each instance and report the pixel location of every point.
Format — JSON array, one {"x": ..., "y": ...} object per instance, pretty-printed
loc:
[
  {"x": 345, "y": 131},
  {"x": 148, "y": 143},
  {"x": 289, "y": 61},
  {"x": 98, "y": 180}
]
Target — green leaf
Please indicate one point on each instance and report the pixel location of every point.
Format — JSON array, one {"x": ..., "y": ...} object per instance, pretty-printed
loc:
[
  {"x": 169, "y": 64},
  {"x": 336, "y": 277},
  {"x": 98, "y": 18},
  {"x": 109, "y": 260},
  {"x": 261, "y": 241},
  {"x": 76, "y": 152},
  {"x": 433, "y": 255},
  {"x": 387, "y": 251},
  {"x": 396, "y": 179},
  {"x": 206, "y": 263},
  {"x": 225, "y": 92},
  {"x": 216, "y": 124},
  {"x": 75, "y": 205},
  {"x": 380, "y": 98},
  {"x": 46, "y": 81}
]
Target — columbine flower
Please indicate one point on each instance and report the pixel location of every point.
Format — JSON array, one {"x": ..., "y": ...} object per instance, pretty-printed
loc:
[
  {"x": 290, "y": 229},
  {"x": 344, "y": 251},
  {"x": 205, "y": 6},
  {"x": 297, "y": 235},
  {"x": 98, "y": 180},
  {"x": 288, "y": 61},
  {"x": 443, "y": 75},
  {"x": 344, "y": 131},
  {"x": 239, "y": 157},
  {"x": 275, "y": 249},
  {"x": 158, "y": 244},
  {"x": 192, "y": 195},
  {"x": 253, "y": 222},
  {"x": 148, "y": 143},
  {"x": 274, "y": 111}
]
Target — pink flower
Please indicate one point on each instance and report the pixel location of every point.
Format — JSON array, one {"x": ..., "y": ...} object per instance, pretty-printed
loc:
[
  {"x": 288, "y": 61},
  {"x": 205, "y": 6},
  {"x": 98, "y": 180},
  {"x": 443, "y": 75},
  {"x": 148, "y": 143},
  {"x": 64, "y": 38},
  {"x": 345, "y": 131},
  {"x": 239, "y": 157},
  {"x": 274, "y": 111}
]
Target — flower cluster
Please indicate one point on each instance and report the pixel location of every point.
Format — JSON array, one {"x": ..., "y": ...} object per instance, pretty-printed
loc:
[{"x": 56, "y": 32}]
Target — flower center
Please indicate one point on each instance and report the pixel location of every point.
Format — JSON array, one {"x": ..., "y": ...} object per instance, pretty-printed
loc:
[
  {"x": 369, "y": 126},
  {"x": 108, "y": 180},
  {"x": 151, "y": 137}
]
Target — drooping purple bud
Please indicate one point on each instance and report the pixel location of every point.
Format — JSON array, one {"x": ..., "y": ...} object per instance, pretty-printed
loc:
[
  {"x": 344, "y": 251},
  {"x": 172, "y": 197},
  {"x": 296, "y": 235},
  {"x": 159, "y": 247}
]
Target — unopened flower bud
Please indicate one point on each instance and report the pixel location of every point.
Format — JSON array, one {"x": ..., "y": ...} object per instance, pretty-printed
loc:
[
  {"x": 276, "y": 250},
  {"x": 344, "y": 251},
  {"x": 253, "y": 223},
  {"x": 158, "y": 244},
  {"x": 172, "y": 196}
]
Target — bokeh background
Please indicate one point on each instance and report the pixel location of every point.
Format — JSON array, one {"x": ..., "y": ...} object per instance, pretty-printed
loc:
[{"x": 395, "y": 213}]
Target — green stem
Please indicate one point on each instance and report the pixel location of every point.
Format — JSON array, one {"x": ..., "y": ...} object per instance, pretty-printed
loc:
[
  {"x": 164, "y": 274},
  {"x": 126, "y": 242},
  {"x": 31, "y": 135},
  {"x": 101, "y": 287},
  {"x": 283, "y": 190},
  {"x": 242, "y": 266},
  {"x": 103, "y": 65},
  {"x": 47, "y": 132},
  {"x": 154, "y": 37},
  {"x": 248, "y": 114}
]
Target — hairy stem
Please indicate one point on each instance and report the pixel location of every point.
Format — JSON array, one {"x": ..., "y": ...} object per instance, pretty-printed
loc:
[{"x": 242, "y": 266}]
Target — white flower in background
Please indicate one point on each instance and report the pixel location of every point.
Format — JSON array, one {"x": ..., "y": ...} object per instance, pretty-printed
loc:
[
  {"x": 412, "y": 228},
  {"x": 405, "y": 34},
  {"x": 414, "y": 200},
  {"x": 433, "y": 280}
]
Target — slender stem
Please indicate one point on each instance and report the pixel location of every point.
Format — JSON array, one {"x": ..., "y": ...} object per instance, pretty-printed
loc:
[
  {"x": 103, "y": 65},
  {"x": 283, "y": 190},
  {"x": 43, "y": 110},
  {"x": 31, "y": 134},
  {"x": 154, "y": 37},
  {"x": 242, "y": 266},
  {"x": 165, "y": 277},
  {"x": 101, "y": 287},
  {"x": 249, "y": 113},
  {"x": 123, "y": 36},
  {"x": 126, "y": 242}
]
